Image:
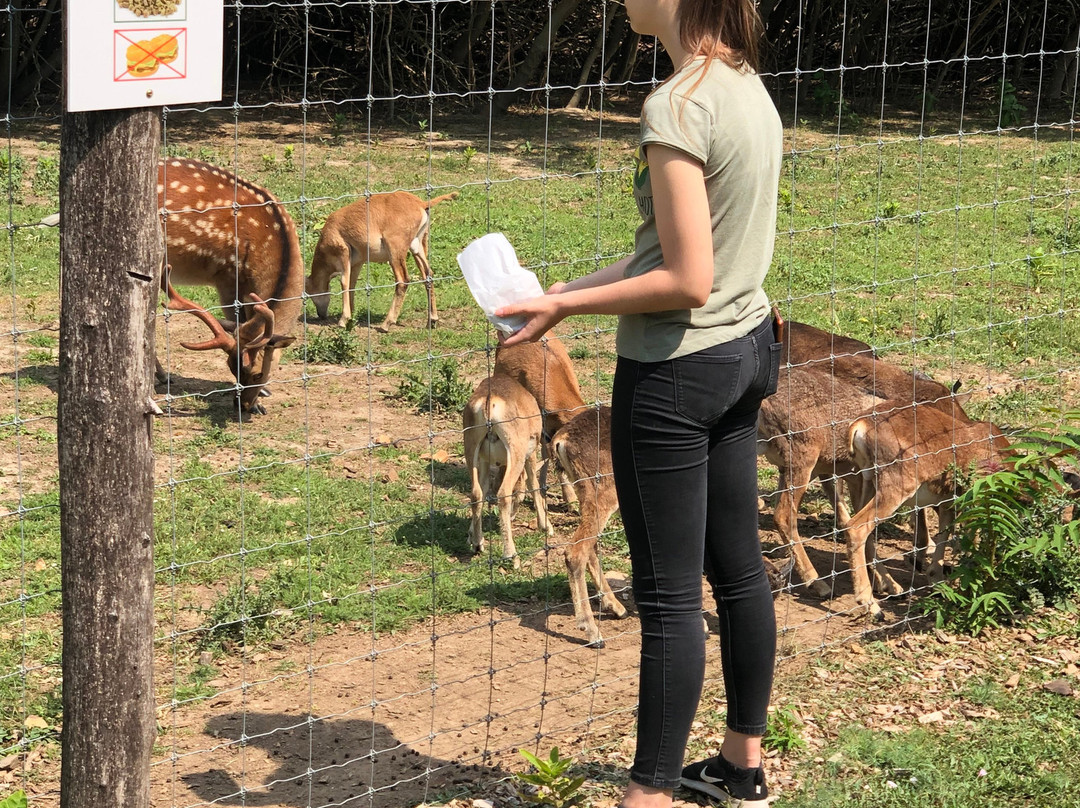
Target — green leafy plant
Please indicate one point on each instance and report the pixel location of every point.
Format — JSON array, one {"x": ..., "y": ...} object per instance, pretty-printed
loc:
[
  {"x": 16, "y": 800},
  {"x": 46, "y": 180},
  {"x": 782, "y": 732},
  {"x": 12, "y": 169},
  {"x": 445, "y": 391},
  {"x": 826, "y": 98},
  {"x": 1015, "y": 549},
  {"x": 1011, "y": 110},
  {"x": 550, "y": 783},
  {"x": 468, "y": 153},
  {"x": 332, "y": 346}
]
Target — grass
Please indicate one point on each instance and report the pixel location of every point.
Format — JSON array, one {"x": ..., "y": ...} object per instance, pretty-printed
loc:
[
  {"x": 999, "y": 744},
  {"x": 957, "y": 256}
]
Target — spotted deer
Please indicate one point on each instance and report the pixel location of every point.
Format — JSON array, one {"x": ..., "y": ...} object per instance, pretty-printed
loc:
[
  {"x": 502, "y": 429},
  {"x": 223, "y": 231},
  {"x": 383, "y": 228}
]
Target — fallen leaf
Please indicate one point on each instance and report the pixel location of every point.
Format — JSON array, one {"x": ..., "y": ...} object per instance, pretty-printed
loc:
[
  {"x": 1013, "y": 680},
  {"x": 8, "y": 762},
  {"x": 1059, "y": 686},
  {"x": 932, "y": 718},
  {"x": 35, "y": 722}
]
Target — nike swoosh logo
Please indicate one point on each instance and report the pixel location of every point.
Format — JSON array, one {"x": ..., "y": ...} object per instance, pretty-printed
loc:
[{"x": 711, "y": 780}]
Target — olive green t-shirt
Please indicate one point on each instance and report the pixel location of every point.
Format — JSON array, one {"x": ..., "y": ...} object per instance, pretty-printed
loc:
[{"x": 728, "y": 123}]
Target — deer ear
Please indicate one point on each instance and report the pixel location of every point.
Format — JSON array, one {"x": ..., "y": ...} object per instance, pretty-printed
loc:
[{"x": 280, "y": 341}]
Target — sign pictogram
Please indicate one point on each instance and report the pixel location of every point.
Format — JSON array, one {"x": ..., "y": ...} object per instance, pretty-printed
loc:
[{"x": 164, "y": 52}]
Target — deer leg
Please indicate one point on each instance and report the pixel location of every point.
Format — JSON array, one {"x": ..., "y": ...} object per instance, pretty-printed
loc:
[
  {"x": 858, "y": 532},
  {"x": 792, "y": 487},
  {"x": 479, "y": 470},
  {"x": 542, "y": 521},
  {"x": 884, "y": 583},
  {"x": 924, "y": 545},
  {"x": 511, "y": 476},
  {"x": 575, "y": 554},
  {"x": 420, "y": 256},
  {"x": 348, "y": 282},
  {"x": 946, "y": 516},
  {"x": 401, "y": 283},
  {"x": 607, "y": 597}
]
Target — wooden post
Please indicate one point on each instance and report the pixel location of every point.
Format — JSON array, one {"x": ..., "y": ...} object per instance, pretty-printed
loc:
[{"x": 110, "y": 259}]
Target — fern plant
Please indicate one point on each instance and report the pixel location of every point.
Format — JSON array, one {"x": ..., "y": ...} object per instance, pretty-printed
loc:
[{"x": 1016, "y": 550}]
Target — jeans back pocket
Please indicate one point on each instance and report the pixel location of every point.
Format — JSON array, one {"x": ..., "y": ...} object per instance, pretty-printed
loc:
[{"x": 706, "y": 386}]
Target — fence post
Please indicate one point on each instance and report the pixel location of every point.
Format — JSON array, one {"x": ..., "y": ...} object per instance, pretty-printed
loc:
[{"x": 110, "y": 258}]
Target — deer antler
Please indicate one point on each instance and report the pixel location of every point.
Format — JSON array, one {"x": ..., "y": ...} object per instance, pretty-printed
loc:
[
  {"x": 222, "y": 339},
  {"x": 261, "y": 313}
]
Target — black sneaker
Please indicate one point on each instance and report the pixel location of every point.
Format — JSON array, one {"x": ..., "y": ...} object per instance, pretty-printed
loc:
[{"x": 727, "y": 782}]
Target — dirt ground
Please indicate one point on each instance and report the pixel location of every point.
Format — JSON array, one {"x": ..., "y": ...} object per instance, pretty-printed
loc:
[
  {"x": 398, "y": 719},
  {"x": 390, "y": 720}
]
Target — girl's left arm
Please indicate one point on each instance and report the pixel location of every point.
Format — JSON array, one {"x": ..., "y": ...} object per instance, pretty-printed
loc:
[{"x": 683, "y": 281}]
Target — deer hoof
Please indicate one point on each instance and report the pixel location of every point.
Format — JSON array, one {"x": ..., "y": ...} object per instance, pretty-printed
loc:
[
  {"x": 596, "y": 642},
  {"x": 343, "y": 322},
  {"x": 383, "y": 328},
  {"x": 819, "y": 589}
]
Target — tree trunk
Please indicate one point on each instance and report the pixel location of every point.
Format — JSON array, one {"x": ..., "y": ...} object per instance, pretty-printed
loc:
[
  {"x": 526, "y": 71},
  {"x": 590, "y": 60},
  {"x": 110, "y": 259},
  {"x": 1064, "y": 65}
]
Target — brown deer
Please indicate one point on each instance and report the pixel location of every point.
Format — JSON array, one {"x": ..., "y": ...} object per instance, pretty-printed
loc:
[
  {"x": 910, "y": 453},
  {"x": 502, "y": 432},
  {"x": 802, "y": 429},
  {"x": 384, "y": 228},
  {"x": 545, "y": 370},
  {"x": 582, "y": 449},
  {"x": 226, "y": 232}
]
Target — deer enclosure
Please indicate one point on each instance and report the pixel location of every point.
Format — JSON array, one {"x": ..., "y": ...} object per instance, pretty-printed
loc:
[{"x": 329, "y": 629}]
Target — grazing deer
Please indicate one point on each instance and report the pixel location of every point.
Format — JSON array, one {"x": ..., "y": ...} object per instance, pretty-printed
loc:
[
  {"x": 384, "y": 228},
  {"x": 502, "y": 433},
  {"x": 803, "y": 428},
  {"x": 226, "y": 232},
  {"x": 580, "y": 445},
  {"x": 910, "y": 453},
  {"x": 545, "y": 370},
  {"x": 582, "y": 448}
]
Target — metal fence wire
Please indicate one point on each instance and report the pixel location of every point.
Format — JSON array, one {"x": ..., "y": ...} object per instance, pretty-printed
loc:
[{"x": 325, "y": 634}]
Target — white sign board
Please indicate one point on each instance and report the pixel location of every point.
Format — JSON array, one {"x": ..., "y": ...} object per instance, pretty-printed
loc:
[{"x": 142, "y": 53}]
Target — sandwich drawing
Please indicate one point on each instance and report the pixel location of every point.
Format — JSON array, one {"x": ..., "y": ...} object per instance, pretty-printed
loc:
[{"x": 144, "y": 57}]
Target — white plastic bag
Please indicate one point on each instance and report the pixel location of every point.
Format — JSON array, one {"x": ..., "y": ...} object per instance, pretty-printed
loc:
[{"x": 495, "y": 278}]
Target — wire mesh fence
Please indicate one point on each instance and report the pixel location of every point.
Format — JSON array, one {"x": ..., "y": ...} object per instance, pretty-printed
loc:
[{"x": 326, "y": 634}]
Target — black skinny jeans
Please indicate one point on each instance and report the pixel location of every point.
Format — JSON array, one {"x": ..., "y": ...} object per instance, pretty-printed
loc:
[{"x": 683, "y": 447}]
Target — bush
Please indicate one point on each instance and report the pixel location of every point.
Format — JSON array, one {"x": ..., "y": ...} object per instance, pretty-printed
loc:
[
  {"x": 446, "y": 392},
  {"x": 332, "y": 346},
  {"x": 1016, "y": 551}
]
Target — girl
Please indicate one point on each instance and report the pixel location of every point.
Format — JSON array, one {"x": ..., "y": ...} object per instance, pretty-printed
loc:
[{"x": 697, "y": 354}]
